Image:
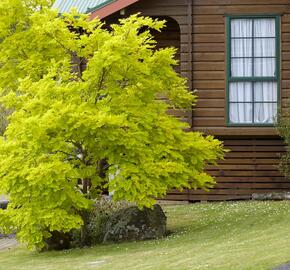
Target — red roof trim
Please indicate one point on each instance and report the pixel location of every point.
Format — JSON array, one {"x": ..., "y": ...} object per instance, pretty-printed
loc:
[{"x": 111, "y": 8}]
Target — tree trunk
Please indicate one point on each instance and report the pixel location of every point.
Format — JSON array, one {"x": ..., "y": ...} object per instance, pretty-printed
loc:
[{"x": 85, "y": 239}]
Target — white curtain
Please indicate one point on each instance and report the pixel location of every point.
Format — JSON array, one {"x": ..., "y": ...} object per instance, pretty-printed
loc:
[
  {"x": 241, "y": 110},
  {"x": 241, "y": 33},
  {"x": 265, "y": 67},
  {"x": 264, "y": 46},
  {"x": 265, "y": 106},
  {"x": 253, "y": 51},
  {"x": 241, "y": 28},
  {"x": 264, "y": 27}
]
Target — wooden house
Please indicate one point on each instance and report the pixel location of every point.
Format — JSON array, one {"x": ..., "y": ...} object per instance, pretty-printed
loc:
[{"x": 236, "y": 53}]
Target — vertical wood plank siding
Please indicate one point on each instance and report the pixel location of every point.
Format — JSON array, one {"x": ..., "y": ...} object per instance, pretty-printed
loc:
[{"x": 251, "y": 166}]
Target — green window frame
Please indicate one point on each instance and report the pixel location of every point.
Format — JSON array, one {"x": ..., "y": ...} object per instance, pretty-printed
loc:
[{"x": 252, "y": 79}]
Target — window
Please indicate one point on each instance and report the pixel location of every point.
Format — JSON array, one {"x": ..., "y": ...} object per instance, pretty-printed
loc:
[{"x": 253, "y": 70}]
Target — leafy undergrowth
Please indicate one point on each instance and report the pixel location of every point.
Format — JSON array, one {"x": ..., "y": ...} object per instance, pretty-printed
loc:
[{"x": 244, "y": 235}]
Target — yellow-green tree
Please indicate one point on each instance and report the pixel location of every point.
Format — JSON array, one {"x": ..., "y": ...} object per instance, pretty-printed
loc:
[{"x": 66, "y": 119}]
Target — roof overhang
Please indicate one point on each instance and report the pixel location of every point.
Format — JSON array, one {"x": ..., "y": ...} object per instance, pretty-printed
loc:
[{"x": 111, "y": 8}]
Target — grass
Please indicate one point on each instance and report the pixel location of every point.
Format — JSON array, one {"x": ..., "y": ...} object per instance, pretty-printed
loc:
[{"x": 244, "y": 235}]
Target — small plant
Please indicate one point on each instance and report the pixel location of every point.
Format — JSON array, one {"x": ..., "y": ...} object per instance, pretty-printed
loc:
[{"x": 283, "y": 126}]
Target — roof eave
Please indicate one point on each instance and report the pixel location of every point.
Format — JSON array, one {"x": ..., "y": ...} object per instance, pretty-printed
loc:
[
  {"x": 100, "y": 6},
  {"x": 109, "y": 8}
]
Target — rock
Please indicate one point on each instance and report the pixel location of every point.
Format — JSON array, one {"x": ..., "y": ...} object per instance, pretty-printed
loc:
[
  {"x": 3, "y": 204},
  {"x": 271, "y": 196},
  {"x": 283, "y": 267},
  {"x": 133, "y": 224}
]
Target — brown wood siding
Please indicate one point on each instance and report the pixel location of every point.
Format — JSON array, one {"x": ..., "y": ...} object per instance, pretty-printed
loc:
[
  {"x": 178, "y": 11},
  {"x": 209, "y": 54},
  {"x": 251, "y": 166},
  {"x": 175, "y": 12}
]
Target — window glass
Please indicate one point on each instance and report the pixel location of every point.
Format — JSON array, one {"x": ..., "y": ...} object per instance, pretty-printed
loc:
[
  {"x": 265, "y": 113},
  {"x": 241, "y": 67},
  {"x": 253, "y": 81},
  {"x": 241, "y": 92},
  {"x": 264, "y": 67},
  {"x": 265, "y": 92},
  {"x": 241, "y": 113},
  {"x": 241, "y": 28},
  {"x": 264, "y": 27}
]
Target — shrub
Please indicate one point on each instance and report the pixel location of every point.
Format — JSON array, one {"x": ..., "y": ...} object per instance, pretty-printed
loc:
[{"x": 283, "y": 126}]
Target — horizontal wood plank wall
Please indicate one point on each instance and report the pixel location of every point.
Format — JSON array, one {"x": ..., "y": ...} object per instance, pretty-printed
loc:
[
  {"x": 251, "y": 166},
  {"x": 175, "y": 12},
  {"x": 209, "y": 54}
]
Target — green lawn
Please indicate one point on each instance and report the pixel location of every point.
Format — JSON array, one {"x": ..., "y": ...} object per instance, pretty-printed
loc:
[{"x": 245, "y": 235}]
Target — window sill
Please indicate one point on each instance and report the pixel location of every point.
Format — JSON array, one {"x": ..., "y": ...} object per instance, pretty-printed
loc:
[{"x": 250, "y": 125}]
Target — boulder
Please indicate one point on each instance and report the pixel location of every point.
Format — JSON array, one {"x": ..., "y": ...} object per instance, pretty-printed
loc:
[
  {"x": 133, "y": 224},
  {"x": 274, "y": 196}
]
